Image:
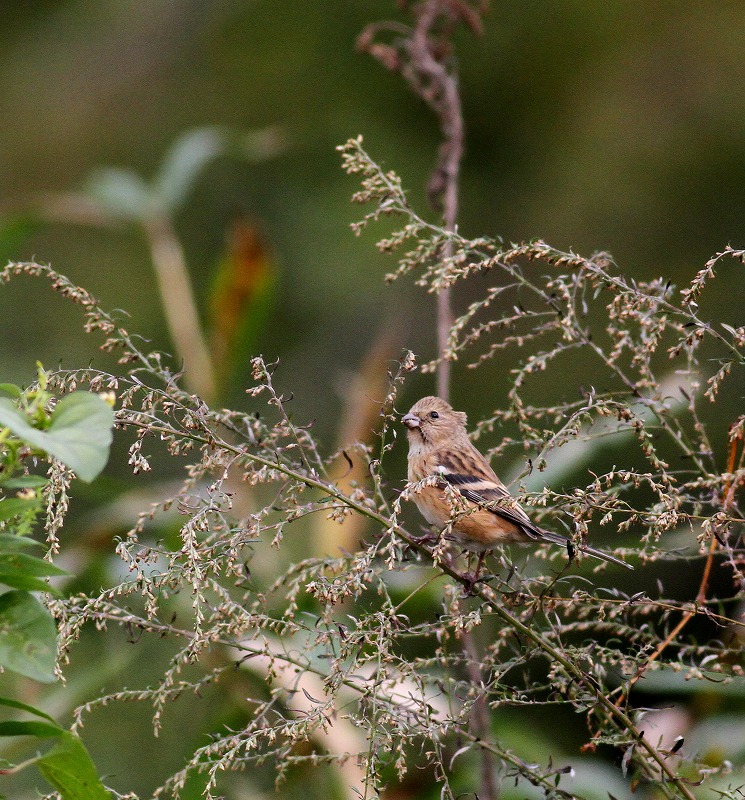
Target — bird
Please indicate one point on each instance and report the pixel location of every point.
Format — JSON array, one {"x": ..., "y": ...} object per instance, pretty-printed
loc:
[{"x": 456, "y": 487}]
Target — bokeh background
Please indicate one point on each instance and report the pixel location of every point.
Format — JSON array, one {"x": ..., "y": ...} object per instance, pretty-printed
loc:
[
  {"x": 595, "y": 126},
  {"x": 609, "y": 126}
]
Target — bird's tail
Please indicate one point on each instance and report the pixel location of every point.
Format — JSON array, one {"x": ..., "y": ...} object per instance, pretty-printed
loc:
[{"x": 571, "y": 547}]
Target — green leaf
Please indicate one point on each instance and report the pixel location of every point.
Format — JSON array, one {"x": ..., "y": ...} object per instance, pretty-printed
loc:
[
  {"x": 17, "y": 421},
  {"x": 70, "y": 770},
  {"x": 187, "y": 157},
  {"x": 21, "y": 728},
  {"x": 28, "y": 583},
  {"x": 15, "y": 506},
  {"x": 28, "y": 640},
  {"x": 81, "y": 428},
  {"x": 22, "y": 571},
  {"x": 12, "y": 703},
  {"x": 67, "y": 766},
  {"x": 79, "y": 435},
  {"x": 12, "y": 562},
  {"x": 9, "y": 541},
  {"x": 26, "y": 482},
  {"x": 120, "y": 192},
  {"x": 11, "y": 389}
]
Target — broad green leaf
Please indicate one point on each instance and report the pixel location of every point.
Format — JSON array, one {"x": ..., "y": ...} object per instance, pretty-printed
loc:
[
  {"x": 21, "y": 728},
  {"x": 9, "y": 541},
  {"x": 19, "y": 424},
  {"x": 81, "y": 428},
  {"x": 28, "y": 583},
  {"x": 22, "y": 571},
  {"x": 187, "y": 157},
  {"x": 79, "y": 435},
  {"x": 120, "y": 192},
  {"x": 11, "y": 389},
  {"x": 70, "y": 770},
  {"x": 12, "y": 703},
  {"x": 28, "y": 640},
  {"x": 13, "y": 562},
  {"x": 67, "y": 766},
  {"x": 11, "y": 417}
]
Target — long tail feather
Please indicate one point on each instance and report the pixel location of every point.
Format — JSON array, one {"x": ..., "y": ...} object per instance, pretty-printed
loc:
[{"x": 557, "y": 538}]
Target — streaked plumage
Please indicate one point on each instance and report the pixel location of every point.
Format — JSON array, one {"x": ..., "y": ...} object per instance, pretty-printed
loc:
[{"x": 483, "y": 513}]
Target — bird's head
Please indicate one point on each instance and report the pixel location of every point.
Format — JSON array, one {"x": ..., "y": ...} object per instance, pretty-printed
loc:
[{"x": 432, "y": 421}]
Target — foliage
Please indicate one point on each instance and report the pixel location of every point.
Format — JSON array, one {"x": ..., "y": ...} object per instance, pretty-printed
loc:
[
  {"x": 125, "y": 194},
  {"x": 66, "y": 765},
  {"x": 75, "y": 433},
  {"x": 357, "y": 659}
]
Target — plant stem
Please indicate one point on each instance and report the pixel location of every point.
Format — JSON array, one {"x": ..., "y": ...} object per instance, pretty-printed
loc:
[
  {"x": 180, "y": 306},
  {"x": 444, "y": 322}
]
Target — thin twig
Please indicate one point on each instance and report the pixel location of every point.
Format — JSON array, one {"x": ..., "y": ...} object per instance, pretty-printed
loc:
[
  {"x": 485, "y": 594},
  {"x": 700, "y": 594}
]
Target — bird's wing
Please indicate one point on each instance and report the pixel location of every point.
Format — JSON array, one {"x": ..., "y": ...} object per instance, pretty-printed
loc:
[
  {"x": 471, "y": 475},
  {"x": 479, "y": 484}
]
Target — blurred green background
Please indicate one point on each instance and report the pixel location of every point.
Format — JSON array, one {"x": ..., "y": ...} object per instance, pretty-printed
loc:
[
  {"x": 595, "y": 126},
  {"x": 609, "y": 126}
]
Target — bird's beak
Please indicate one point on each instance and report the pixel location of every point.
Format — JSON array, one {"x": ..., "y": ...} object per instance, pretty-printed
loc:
[{"x": 411, "y": 421}]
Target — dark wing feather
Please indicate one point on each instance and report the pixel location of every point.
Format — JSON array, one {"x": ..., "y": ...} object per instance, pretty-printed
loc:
[
  {"x": 486, "y": 499},
  {"x": 471, "y": 475},
  {"x": 485, "y": 496},
  {"x": 484, "y": 492}
]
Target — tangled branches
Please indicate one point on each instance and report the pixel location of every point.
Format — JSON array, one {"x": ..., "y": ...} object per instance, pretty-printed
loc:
[{"x": 356, "y": 659}]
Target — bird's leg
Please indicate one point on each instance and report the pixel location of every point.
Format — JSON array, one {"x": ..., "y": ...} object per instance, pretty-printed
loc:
[
  {"x": 430, "y": 537},
  {"x": 472, "y": 578}
]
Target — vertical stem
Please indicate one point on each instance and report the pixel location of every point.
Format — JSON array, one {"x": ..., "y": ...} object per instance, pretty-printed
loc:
[
  {"x": 443, "y": 189},
  {"x": 180, "y": 306},
  {"x": 423, "y": 60},
  {"x": 480, "y": 718},
  {"x": 451, "y": 164},
  {"x": 444, "y": 322},
  {"x": 437, "y": 82}
]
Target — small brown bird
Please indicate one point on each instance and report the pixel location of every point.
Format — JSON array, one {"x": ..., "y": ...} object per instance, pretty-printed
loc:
[{"x": 481, "y": 510}]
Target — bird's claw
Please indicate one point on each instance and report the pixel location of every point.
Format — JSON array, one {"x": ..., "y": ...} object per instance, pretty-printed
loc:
[
  {"x": 471, "y": 579},
  {"x": 427, "y": 538}
]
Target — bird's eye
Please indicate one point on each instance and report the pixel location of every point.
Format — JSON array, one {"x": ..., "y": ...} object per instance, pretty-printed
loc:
[{"x": 434, "y": 415}]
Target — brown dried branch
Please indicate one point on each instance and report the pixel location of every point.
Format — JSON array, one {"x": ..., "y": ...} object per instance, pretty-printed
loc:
[
  {"x": 424, "y": 59},
  {"x": 727, "y": 502},
  {"x": 423, "y": 56}
]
